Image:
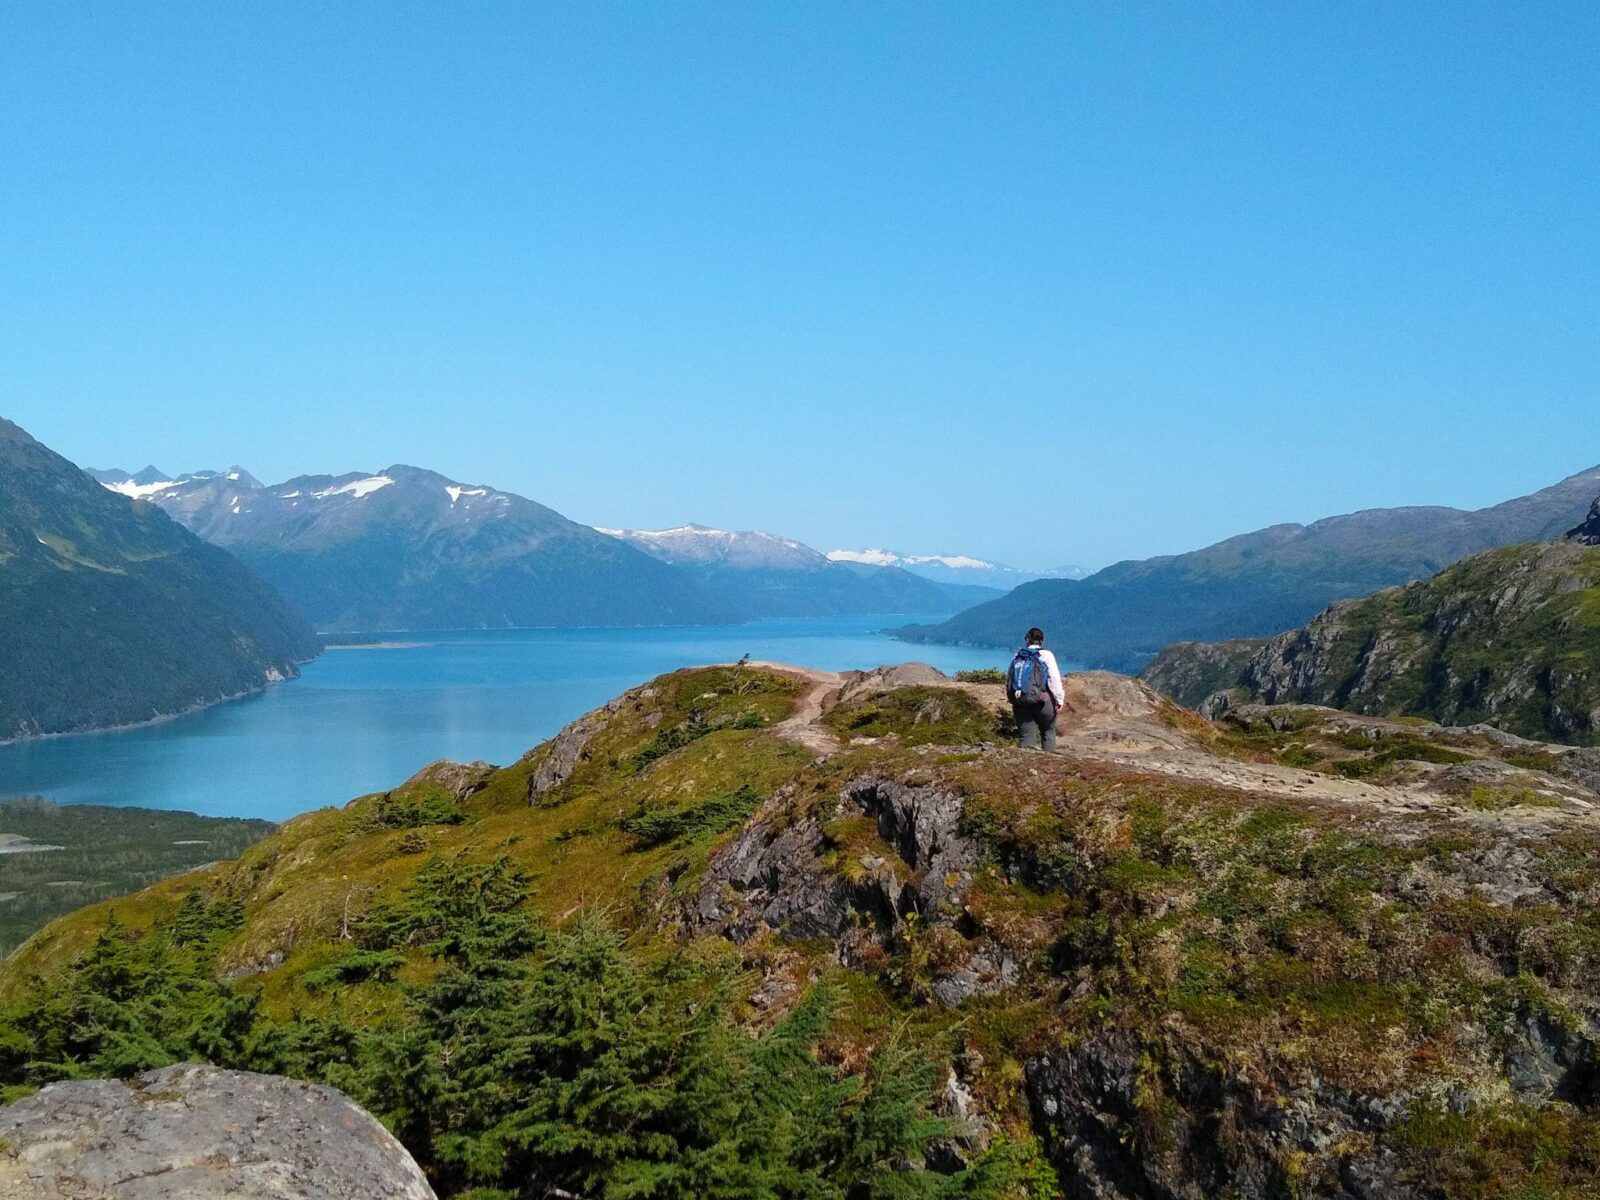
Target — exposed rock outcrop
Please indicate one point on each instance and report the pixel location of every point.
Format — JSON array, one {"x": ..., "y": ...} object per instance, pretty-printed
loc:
[
  {"x": 1223, "y": 1137},
  {"x": 197, "y": 1133},
  {"x": 1588, "y": 533},
  {"x": 811, "y": 879},
  {"x": 560, "y": 756},
  {"x": 458, "y": 780}
]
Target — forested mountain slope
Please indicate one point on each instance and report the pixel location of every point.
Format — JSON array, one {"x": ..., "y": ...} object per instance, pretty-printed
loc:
[{"x": 111, "y": 613}]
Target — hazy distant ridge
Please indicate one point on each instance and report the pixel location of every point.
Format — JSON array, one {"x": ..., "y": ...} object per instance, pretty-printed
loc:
[{"x": 1258, "y": 584}]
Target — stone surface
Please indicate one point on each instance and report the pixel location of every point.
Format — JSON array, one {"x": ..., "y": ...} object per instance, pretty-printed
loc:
[
  {"x": 197, "y": 1133},
  {"x": 562, "y": 754},
  {"x": 775, "y": 875},
  {"x": 460, "y": 780},
  {"x": 912, "y": 674}
]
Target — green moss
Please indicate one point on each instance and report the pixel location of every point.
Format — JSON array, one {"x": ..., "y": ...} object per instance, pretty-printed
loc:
[
  {"x": 1301, "y": 756},
  {"x": 1498, "y": 799},
  {"x": 1503, "y": 1151},
  {"x": 918, "y": 716}
]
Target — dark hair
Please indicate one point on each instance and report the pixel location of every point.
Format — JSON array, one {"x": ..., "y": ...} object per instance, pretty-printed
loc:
[{"x": 1035, "y": 635}]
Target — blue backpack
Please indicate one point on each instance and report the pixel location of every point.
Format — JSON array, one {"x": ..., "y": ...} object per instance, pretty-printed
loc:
[{"x": 1029, "y": 679}]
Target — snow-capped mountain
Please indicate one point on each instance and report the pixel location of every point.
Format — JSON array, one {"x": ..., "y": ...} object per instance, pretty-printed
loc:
[
  {"x": 954, "y": 568},
  {"x": 406, "y": 548},
  {"x": 772, "y": 576},
  {"x": 733, "y": 549}
]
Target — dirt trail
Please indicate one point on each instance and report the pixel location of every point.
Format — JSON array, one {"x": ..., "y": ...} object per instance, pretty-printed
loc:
[
  {"x": 804, "y": 726},
  {"x": 1119, "y": 721}
]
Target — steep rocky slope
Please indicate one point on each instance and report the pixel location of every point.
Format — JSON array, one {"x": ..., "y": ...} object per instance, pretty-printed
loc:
[
  {"x": 1258, "y": 584},
  {"x": 1587, "y": 534},
  {"x": 1511, "y": 637},
  {"x": 110, "y": 613},
  {"x": 1294, "y": 953}
]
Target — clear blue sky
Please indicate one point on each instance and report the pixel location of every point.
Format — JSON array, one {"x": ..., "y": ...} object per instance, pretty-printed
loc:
[{"x": 818, "y": 268}]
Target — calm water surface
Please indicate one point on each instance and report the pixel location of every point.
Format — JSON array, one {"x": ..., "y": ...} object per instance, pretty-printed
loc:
[{"x": 361, "y": 720}]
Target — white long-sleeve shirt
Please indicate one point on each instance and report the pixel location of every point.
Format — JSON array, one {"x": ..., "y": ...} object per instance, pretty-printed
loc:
[{"x": 1058, "y": 687}]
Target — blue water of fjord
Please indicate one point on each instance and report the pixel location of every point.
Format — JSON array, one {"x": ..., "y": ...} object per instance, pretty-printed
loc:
[{"x": 361, "y": 720}]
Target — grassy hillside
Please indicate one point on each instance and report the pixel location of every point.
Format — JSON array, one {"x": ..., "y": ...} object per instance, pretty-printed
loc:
[
  {"x": 1511, "y": 637},
  {"x": 689, "y": 949}
]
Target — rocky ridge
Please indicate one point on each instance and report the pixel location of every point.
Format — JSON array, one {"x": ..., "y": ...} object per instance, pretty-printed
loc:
[{"x": 1588, "y": 533}]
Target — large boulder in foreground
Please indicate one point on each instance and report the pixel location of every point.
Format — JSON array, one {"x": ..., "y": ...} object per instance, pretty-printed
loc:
[{"x": 197, "y": 1133}]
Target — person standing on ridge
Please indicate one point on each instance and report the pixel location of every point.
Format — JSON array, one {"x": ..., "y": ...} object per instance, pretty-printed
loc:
[{"x": 1036, "y": 692}]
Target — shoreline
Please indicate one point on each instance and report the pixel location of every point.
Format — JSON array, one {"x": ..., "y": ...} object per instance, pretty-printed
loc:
[
  {"x": 378, "y": 646},
  {"x": 160, "y": 718}
]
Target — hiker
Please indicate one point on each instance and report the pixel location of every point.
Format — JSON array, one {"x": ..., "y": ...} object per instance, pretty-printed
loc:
[{"x": 1033, "y": 685}]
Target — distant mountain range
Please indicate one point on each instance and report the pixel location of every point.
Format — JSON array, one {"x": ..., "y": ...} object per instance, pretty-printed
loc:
[
  {"x": 1258, "y": 584},
  {"x": 112, "y": 614},
  {"x": 1509, "y": 637},
  {"x": 954, "y": 568},
  {"x": 406, "y": 548},
  {"x": 768, "y": 575}
]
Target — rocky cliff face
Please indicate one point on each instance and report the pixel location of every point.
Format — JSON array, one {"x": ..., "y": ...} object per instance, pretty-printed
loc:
[
  {"x": 1510, "y": 638},
  {"x": 197, "y": 1133},
  {"x": 1588, "y": 533},
  {"x": 1292, "y": 952}
]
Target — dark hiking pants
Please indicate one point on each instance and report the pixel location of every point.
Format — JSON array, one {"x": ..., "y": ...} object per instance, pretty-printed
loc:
[{"x": 1036, "y": 724}]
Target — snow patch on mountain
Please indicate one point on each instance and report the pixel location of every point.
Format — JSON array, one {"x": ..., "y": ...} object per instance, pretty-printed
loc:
[
  {"x": 358, "y": 488},
  {"x": 887, "y": 558},
  {"x": 735, "y": 549},
  {"x": 952, "y": 568},
  {"x": 139, "y": 491}
]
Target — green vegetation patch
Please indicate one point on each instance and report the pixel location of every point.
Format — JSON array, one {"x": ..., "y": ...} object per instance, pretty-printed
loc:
[
  {"x": 105, "y": 851},
  {"x": 696, "y": 726},
  {"x": 918, "y": 716},
  {"x": 1512, "y": 1150},
  {"x": 679, "y": 822},
  {"x": 1499, "y": 799},
  {"x": 574, "y": 1057},
  {"x": 416, "y": 807}
]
